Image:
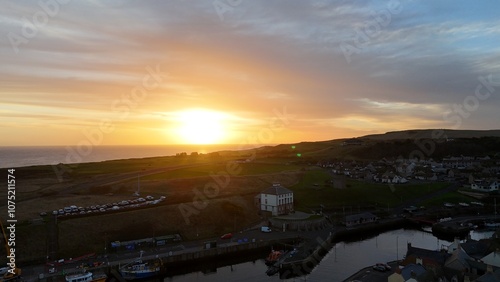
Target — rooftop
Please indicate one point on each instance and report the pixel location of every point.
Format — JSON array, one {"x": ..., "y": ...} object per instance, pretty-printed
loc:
[{"x": 277, "y": 189}]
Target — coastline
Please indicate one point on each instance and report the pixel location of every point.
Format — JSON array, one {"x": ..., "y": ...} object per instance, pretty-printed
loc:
[{"x": 27, "y": 156}]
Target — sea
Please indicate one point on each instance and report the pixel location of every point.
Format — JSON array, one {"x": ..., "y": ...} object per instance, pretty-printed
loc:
[{"x": 20, "y": 156}]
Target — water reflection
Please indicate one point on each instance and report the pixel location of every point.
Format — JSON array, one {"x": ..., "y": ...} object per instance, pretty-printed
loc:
[{"x": 344, "y": 259}]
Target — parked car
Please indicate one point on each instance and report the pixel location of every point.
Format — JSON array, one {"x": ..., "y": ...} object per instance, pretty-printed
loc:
[
  {"x": 265, "y": 229},
  {"x": 378, "y": 268},
  {"x": 227, "y": 236},
  {"x": 384, "y": 265}
]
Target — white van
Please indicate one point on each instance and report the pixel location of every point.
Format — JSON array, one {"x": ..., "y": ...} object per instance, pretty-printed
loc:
[{"x": 265, "y": 229}]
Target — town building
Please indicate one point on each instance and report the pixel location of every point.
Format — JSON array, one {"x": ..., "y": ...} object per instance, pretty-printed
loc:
[
  {"x": 277, "y": 199},
  {"x": 361, "y": 218}
]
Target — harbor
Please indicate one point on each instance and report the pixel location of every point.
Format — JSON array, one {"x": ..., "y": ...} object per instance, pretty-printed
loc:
[{"x": 305, "y": 251}]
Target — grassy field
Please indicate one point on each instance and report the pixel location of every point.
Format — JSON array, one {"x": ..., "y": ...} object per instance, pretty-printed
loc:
[
  {"x": 312, "y": 191},
  {"x": 451, "y": 197},
  {"x": 122, "y": 166},
  {"x": 242, "y": 169}
]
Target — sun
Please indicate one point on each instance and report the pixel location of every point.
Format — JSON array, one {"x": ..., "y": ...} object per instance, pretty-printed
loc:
[{"x": 201, "y": 126}]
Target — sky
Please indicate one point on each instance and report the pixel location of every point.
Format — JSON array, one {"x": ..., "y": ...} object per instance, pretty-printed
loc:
[{"x": 239, "y": 71}]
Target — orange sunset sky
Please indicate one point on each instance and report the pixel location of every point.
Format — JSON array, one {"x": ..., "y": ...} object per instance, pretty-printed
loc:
[{"x": 176, "y": 72}]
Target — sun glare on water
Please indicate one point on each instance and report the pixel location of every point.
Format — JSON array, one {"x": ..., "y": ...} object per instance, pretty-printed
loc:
[{"x": 201, "y": 127}]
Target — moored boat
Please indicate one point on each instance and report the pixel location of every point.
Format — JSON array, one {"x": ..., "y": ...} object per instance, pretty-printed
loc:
[
  {"x": 140, "y": 269},
  {"x": 492, "y": 225},
  {"x": 273, "y": 257},
  {"x": 86, "y": 276}
]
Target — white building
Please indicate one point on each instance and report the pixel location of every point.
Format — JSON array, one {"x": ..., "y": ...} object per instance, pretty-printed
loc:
[
  {"x": 485, "y": 186},
  {"x": 276, "y": 199}
]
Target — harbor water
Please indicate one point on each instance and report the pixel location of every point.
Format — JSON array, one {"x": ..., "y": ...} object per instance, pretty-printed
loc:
[{"x": 343, "y": 260}]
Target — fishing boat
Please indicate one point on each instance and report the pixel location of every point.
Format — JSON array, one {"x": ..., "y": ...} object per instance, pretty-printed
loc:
[
  {"x": 273, "y": 257},
  {"x": 140, "y": 269},
  {"x": 86, "y": 276},
  {"x": 492, "y": 225}
]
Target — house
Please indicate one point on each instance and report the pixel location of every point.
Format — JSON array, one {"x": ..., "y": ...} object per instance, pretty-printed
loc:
[
  {"x": 428, "y": 258},
  {"x": 361, "y": 218},
  {"x": 492, "y": 259},
  {"x": 406, "y": 169},
  {"x": 399, "y": 179},
  {"x": 474, "y": 249},
  {"x": 276, "y": 199},
  {"x": 461, "y": 162},
  {"x": 490, "y": 275},
  {"x": 392, "y": 178},
  {"x": 485, "y": 186},
  {"x": 409, "y": 273},
  {"x": 458, "y": 261}
]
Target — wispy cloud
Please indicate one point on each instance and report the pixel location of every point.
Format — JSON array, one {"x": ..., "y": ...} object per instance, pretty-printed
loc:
[{"x": 263, "y": 55}]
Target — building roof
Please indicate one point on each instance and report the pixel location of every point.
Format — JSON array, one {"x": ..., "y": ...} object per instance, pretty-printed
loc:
[
  {"x": 476, "y": 249},
  {"x": 458, "y": 260},
  {"x": 490, "y": 277},
  {"x": 492, "y": 259},
  {"x": 412, "y": 271},
  {"x": 427, "y": 256},
  {"x": 277, "y": 189}
]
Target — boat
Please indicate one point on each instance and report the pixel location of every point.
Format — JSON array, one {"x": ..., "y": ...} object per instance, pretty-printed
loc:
[
  {"x": 86, "y": 276},
  {"x": 273, "y": 257},
  {"x": 492, "y": 225},
  {"x": 140, "y": 268}
]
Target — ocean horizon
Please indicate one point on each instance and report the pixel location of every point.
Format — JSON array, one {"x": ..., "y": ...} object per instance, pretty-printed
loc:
[{"x": 21, "y": 156}]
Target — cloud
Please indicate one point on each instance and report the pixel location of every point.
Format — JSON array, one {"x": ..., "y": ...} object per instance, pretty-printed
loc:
[{"x": 261, "y": 56}]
